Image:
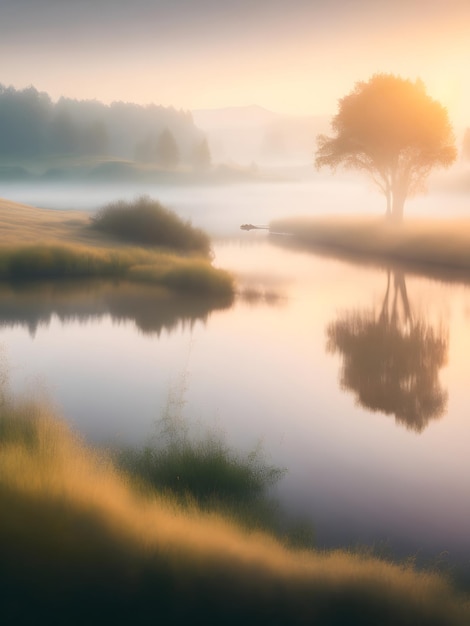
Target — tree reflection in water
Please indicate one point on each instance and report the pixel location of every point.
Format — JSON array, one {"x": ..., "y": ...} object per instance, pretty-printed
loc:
[
  {"x": 152, "y": 309},
  {"x": 391, "y": 361}
]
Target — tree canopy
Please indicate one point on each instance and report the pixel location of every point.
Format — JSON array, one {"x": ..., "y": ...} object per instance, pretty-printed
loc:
[
  {"x": 466, "y": 145},
  {"x": 390, "y": 128}
]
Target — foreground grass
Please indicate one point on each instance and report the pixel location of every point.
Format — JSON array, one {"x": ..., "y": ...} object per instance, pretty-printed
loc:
[
  {"x": 80, "y": 543},
  {"x": 431, "y": 244}
]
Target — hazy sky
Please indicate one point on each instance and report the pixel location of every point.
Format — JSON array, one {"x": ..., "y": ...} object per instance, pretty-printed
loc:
[{"x": 291, "y": 56}]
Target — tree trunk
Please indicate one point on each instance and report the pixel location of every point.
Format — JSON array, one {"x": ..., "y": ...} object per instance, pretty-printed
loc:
[
  {"x": 388, "y": 212},
  {"x": 397, "y": 209},
  {"x": 398, "y": 203}
]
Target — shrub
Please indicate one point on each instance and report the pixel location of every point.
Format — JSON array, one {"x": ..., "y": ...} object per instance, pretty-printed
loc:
[
  {"x": 204, "y": 470},
  {"x": 197, "y": 467},
  {"x": 147, "y": 222}
]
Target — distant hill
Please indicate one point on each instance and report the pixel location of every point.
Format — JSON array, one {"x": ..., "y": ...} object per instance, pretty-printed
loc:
[
  {"x": 233, "y": 117},
  {"x": 253, "y": 134}
]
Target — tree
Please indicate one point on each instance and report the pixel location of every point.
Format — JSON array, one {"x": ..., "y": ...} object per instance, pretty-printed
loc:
[
  {"x": 201, "y": 156},
  {"x": 64, "y": 135},
  {"x": 146, "y": 150},
  {"x": 95, "y": 138},
  {"x": 24, "y": 119},
  {"x": 392, "y": 130},
  {"x": 167, "y": 152},
  {"x": 466, "y": 145}
]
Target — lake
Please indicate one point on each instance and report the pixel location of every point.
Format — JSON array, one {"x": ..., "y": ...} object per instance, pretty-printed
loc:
[{"x": 353, "y": 377}]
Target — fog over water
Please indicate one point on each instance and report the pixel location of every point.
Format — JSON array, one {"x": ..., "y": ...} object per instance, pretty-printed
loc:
[{"x": 221, "y": 209}]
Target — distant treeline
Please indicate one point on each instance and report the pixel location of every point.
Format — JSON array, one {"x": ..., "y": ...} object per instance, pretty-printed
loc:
[{"x": 32, "y": 126}]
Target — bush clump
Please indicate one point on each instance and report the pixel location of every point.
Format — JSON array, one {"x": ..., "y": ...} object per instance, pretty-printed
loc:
[
  {"x": 205, "y": 470},
  {"x": 198, "y": 468},
  {"x": 147, "y": 222}
]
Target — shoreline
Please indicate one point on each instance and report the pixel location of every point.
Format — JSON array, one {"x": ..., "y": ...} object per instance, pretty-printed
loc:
[{"x": 436, "y": 248}]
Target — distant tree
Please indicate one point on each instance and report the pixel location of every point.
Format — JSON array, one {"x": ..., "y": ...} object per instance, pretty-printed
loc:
[
  {"x": 466, "y": 145},
  {"x": 166, "y": 150},
  {"x": 64, "y": 134},
  {"x": 95, "y": 138},
  {"x": 201, "y": 156},
  {"x": 24, "y": 120},
  {"x": 146, "y": 150},
  {"x": 392, "y": 130}
]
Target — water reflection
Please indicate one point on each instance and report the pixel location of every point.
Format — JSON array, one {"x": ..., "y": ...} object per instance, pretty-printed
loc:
[
  {"x": 151, "y": 309},
  {"x": 391, "y": 359}
]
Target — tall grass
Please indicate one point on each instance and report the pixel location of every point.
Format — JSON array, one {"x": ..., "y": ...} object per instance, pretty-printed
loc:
[
  {"x": 146, "y": 221},
  {"x": 80, "y": 544},
  {"x": 195, "y": 465},
  {"x": 52, "y": 261},
  {"x": 195, "y": 276},
  {"x": 55, "y": 261}
]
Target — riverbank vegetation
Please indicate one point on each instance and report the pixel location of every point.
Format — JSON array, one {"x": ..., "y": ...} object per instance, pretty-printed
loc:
[
  {"x": 147, "y": 222},
  {"x": 72, "y": 246},
  {"x": 46, "y": 262},
  {"x": 197, "y": 467},
  {"x": 432, "y": 245},
  {"x": 80, "y": 537}
]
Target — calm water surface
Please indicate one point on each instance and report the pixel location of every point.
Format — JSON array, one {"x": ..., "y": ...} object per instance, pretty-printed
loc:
[{"x": 355, "y": 378}]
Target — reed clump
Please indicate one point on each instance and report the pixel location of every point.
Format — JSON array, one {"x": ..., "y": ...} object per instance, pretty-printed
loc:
[
  {"x": 201, "y": 469},
  {"x": 193, "y": 275},
  {"x": 49, "y": 261},
  {"x": 147, "y": 222},
  {"x": 189, "y": 275}
]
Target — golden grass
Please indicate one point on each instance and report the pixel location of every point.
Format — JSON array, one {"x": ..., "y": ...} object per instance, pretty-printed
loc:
[
  {"x": 75, "y": 535},
  {"x": 23, "y": 224}
]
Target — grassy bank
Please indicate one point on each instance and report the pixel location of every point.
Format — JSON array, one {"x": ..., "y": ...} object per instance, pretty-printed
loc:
[
  {"x": 52, "y": 261},
  {"x": 429, "y": 244},
  {"x": 71, "y": 247},
  {"x": 80, "y": 542}
]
